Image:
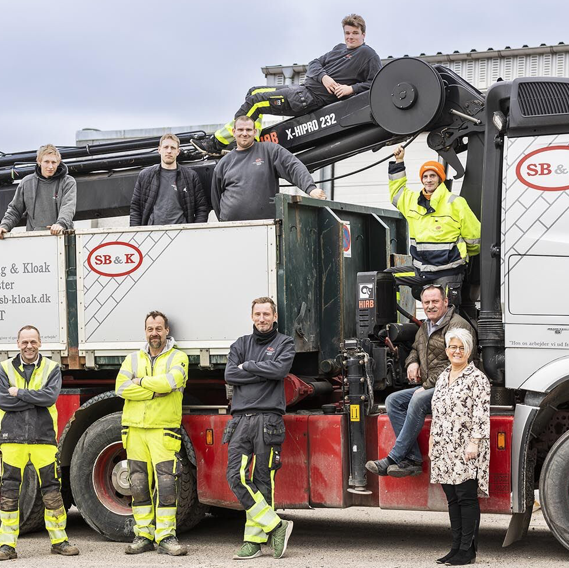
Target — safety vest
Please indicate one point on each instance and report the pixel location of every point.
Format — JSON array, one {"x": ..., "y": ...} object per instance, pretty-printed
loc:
[
  {"x": 38, "y": 424},
  {"x": 443, "y": 231},
  {"x": 167, "y": 376}
]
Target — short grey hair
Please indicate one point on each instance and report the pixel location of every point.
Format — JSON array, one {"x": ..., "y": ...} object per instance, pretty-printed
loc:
[{"x": 462, "y": 335}]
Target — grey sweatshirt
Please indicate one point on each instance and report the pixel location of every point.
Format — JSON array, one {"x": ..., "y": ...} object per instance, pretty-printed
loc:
[
  {"x": 258, "y": 386},
  {"x": 245, "y": 182},
  {"x": 356, "y": 67},
  {"x": 46, "y": 201}
]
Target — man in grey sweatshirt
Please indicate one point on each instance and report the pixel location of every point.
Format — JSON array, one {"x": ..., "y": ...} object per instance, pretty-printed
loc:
[
  {"x": 246, "y": 180},
  {"x": 47, "y": 197},
  {"x": 256, "y": 367}
]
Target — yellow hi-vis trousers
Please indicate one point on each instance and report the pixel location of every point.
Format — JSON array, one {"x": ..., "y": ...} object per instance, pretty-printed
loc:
[
  {"x": 14, "y": 459},
  {"x": 152, "y": 459}
]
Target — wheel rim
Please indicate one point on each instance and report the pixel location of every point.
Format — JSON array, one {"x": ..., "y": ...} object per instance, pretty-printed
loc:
[{"x": 110, "y": 479}]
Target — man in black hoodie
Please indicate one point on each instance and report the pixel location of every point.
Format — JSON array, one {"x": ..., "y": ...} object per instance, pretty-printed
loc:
[
  {"x": 47, "y": 197},
  {"x": 256, "y": 367}
]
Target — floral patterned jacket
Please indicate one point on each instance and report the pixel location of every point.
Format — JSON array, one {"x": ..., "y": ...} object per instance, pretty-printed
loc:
[{"x": 461, "y": 411}]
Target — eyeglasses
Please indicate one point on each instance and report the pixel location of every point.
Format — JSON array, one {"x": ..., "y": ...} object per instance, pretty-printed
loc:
[
  {"x": 439, "y": 286},
  {"x": 453, "y": 348}
]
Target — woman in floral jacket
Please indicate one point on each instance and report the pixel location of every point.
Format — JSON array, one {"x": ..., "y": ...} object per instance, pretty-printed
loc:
[{"x": 459, "y": 444}]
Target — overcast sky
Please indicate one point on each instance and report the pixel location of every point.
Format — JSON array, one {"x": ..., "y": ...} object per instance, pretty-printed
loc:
[{"x": 119, "y": 64}]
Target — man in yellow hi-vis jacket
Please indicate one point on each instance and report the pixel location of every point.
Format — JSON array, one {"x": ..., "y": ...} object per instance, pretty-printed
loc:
[
  {"x": 443, "y": 230},
  {"x": 29, "y": 386},
  {"x": 152, "y": 383}
]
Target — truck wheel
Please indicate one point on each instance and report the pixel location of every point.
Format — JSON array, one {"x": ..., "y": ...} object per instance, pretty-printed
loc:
[
  {"x": 100, "y": 486},
  {"x": 190, "y": 511},
  {"x": 31, "y": 502},
  {"x": 554, "y": 489}
]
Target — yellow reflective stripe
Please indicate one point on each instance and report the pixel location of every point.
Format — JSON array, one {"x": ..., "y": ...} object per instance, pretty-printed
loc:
[
  {"x": 403, "y": 274},
  {"x": 9, "y": 539},
  {"x": 264, "y": 90},
  {"x": 134, "y": 363},
  {"x": 272, "y": 477},
  {"x": 165, "y": 512},
  {"x": 124, "y": 386},
  {"x": 224, "y": 133},
  {"x": 171, "y": 380},
  {"x": 253, "y": 469},
  {"x": 242, "y": 470},
  {"x": 257, "y": 106},
  {"x": 8, "y": 516},
  {"x": 143, "y": 510}
]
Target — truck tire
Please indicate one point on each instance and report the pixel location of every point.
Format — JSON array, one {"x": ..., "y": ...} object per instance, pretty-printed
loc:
[
  {"x": 104, "y": 503},
  {"x": 31, "y": 502},
  {"x": 553, "y": 489}
]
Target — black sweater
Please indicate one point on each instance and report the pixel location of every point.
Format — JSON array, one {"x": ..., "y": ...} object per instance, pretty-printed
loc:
[{"x": 259, "y": 386}]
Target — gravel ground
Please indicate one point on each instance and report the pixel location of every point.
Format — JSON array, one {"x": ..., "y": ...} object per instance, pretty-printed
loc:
[{"x": 322, "y": 538}]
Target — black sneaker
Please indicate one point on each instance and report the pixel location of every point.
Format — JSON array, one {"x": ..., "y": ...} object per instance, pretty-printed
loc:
[
  {"x": 405, "y": 468},
  {"x": 379, "y": 467}
]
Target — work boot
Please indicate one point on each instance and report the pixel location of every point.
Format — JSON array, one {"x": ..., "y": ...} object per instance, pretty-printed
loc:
[
  {"x": 139, "y": 545},
  {"x": 379, "y": 467},
  {"x": 247, "y": 551},
  {"x": 279, "y": 538},
  {"x": 7, "y": 552},
  {"x": 171, "y": 546},
  {"x": 463, "y": 557},
  {"x": 405, "y": 468},
  {"x": 64, "y": 548},
  {"x": 209, "y": 146}
]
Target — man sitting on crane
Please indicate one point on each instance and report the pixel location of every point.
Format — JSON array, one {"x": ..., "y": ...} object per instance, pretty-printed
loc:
[{"x": 347, "y": 70}]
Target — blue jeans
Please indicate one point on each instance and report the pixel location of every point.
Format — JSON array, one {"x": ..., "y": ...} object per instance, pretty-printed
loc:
[{"x": 407, "y": 415}]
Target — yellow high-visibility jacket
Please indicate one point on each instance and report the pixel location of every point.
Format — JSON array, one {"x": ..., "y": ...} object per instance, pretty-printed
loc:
[
  {"x": 31, "y": 416},
  {"x": 143, "y": 408},
  {"x": 443, "y": 231}
]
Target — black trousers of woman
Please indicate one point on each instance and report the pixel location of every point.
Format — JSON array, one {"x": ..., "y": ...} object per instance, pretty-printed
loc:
[{"x": 464, "y": 513}]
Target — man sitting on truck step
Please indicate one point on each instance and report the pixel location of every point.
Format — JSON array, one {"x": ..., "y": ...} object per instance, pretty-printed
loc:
[
  {"x": 443, "y": 230},
  {"x": 407, "y": 408},
  {"x": 47, "y": 197},
  {"x": 168, "y": 193},
  {"x": 29, "y": 386},
  {"x": 347, "y": 70},
  {"x": 256, "y": 367},
  {"x": 152, "y": 382},
  {"x": 246, "y": 181}
]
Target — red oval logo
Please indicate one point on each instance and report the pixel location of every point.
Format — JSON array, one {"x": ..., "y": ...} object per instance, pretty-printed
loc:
[
  {"x": 546, "y": 169},
  {"x": 114, "y": 259}
]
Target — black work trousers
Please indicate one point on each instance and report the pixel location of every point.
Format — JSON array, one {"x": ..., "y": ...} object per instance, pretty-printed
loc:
[
  {"x": 255, "y": 438},
  {"x": 286, "y": 100},
  {"x": 464, "y": 513}
]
